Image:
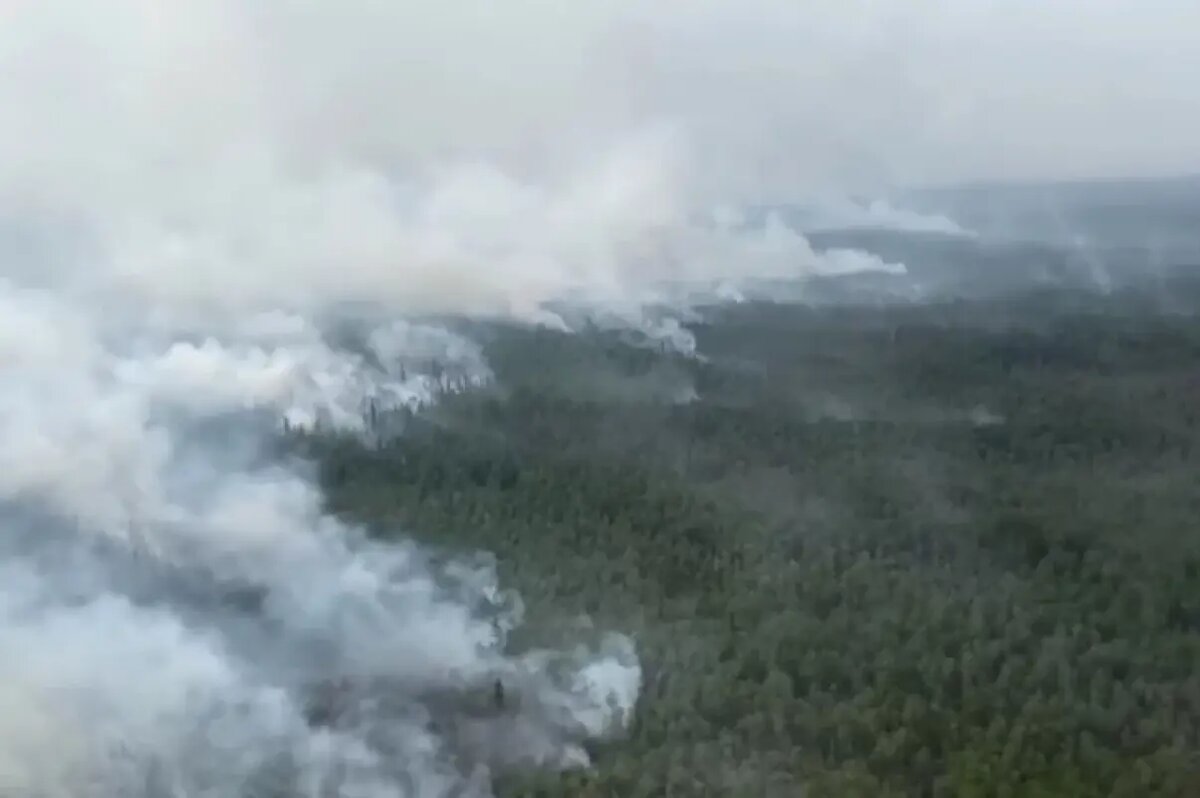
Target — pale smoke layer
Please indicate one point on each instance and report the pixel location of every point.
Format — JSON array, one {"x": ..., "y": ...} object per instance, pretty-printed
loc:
[
  {"x": 879, "y": 214},
  {"x": 216, "y": 160},
  {"x": 210, "y": 190}
]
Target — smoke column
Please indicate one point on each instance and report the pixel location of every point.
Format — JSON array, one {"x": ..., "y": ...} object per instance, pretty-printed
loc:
[{"x": 192, "y": 197}]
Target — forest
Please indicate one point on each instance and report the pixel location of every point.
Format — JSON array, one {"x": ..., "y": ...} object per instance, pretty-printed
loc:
[{"x": 900, "y": 549}]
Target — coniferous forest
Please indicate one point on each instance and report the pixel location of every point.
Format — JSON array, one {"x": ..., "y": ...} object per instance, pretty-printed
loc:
[
  {"x": 935, "y": 549},
  {"x": 599, "y": 399}
]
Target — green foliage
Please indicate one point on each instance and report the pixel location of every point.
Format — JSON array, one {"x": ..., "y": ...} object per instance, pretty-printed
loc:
[{"x": 944, "y": 551}]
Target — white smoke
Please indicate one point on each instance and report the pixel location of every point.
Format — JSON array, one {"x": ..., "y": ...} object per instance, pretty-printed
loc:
[
  {"x": 125, "y": 533},
  {"x": 879, "y": 214},
  {"x": 218, "y": 160},
  {"x": 212, "y": 188}
]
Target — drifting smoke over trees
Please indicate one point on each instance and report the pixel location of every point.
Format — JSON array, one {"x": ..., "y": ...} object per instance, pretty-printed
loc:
[{"x": 925, "y": 550}]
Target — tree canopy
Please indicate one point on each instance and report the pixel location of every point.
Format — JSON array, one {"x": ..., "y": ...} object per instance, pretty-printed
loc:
[{"x": 940, "y": 550}]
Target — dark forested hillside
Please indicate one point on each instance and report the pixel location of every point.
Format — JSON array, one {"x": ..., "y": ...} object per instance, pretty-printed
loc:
[{"x": 910, "y": 550}]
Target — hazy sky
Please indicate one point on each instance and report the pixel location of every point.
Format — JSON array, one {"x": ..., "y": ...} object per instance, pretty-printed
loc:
[
  {"x": 941, "y": 90},
  {"x": 764, "y": 95}
]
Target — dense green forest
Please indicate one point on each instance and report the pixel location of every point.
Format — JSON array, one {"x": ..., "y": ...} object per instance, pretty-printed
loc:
[{"x": 904, "y": 550}]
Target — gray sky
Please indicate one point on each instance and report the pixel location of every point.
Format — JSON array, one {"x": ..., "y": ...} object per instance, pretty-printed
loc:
[
  {"x": 934, "y": 91},
  {"x": 764, "y": 95}
]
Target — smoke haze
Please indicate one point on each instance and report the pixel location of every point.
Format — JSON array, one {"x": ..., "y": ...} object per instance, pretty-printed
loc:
[{"x": 193, "y": 196}]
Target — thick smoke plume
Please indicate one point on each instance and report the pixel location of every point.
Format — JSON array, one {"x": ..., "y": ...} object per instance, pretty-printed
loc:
[
  {"x": 174, "y": 605},
  {"x": 213, "y": 160},
  {"x": 194, "y": 197}
]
